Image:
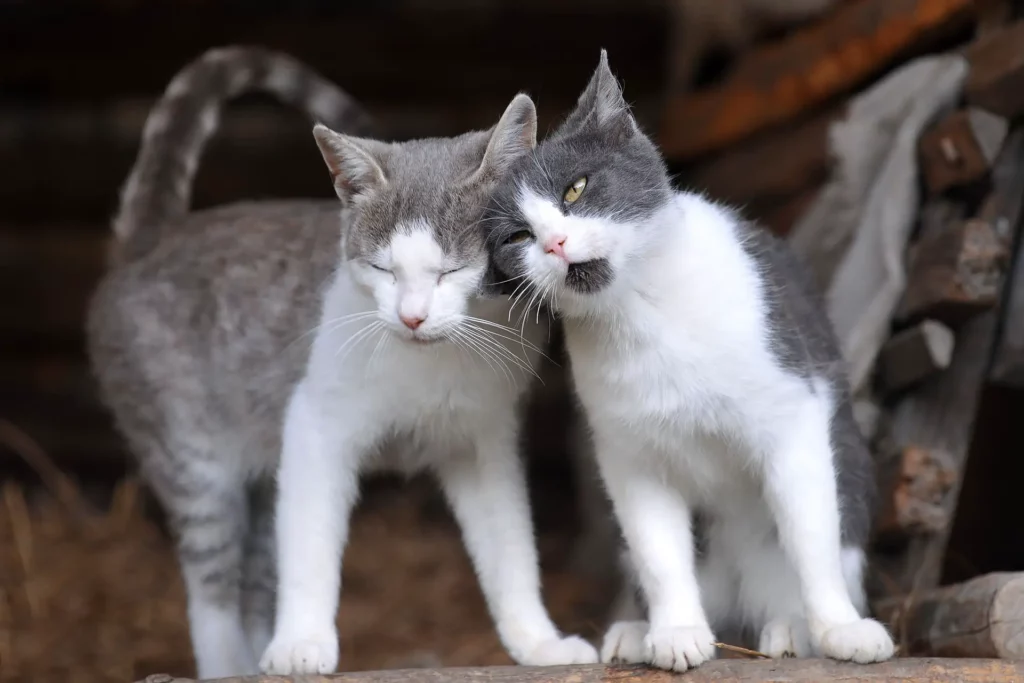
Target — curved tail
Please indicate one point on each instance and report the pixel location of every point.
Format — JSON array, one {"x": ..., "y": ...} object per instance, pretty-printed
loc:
[{"x": 159, "y": 188}]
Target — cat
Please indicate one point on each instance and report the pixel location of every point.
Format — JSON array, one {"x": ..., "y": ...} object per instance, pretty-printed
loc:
[
  {"x": 187, "y": 335},
  {"x": 393, "y": 357},
  {"x": 711, "y": 380},
  {"x": 700, "y": 26}
]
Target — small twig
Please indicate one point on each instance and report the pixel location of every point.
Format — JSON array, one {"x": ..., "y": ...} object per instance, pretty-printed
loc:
[
  {"x": 35, "y": 457},
  {"x": 21, "y": 528},
  {"x": 753, "y": 654}
]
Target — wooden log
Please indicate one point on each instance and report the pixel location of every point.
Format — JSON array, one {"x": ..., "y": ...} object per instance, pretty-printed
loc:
[
  {"x": 958, "y": 150},
  {"x": 915, "y": 354},
  {"x": 983, "y": 617},
  {"x": 1008, "y": 357},
  {"x": 940, "y": 414},
  {"x": 996, "y": 80},
  {"x": 755, "y": 671},
  {"x": 777, "y": 82},
  {"x": 914, "y": 485},
  {"x": 955, "y": 274}
]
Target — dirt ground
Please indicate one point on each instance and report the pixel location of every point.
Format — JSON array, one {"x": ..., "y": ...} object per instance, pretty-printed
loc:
[{"x": 97, "y": 596}]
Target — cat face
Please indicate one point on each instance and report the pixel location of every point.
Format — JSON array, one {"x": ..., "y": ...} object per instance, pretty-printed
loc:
[
  {"x": 413, "y": 244},
  {"x": 568, "y": 218}
]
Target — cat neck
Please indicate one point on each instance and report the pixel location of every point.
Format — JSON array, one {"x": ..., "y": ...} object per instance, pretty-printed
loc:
[{"x": 693, "y": 270}]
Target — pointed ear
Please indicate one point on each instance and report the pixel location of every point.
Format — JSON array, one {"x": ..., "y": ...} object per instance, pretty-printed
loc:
[
  {"x": 601, "y": 103},
  {"x": 514, "y": 135},
  {"x": 355, "y": 163}
]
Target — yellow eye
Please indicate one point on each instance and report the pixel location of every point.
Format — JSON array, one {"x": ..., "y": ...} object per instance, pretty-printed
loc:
[
  {"x": 575, "y": 190},
  {"x": 520, "y": 236}
]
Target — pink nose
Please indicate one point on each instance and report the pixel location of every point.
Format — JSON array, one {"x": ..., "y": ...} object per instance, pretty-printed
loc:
[
  {"x": 555, "y": 246},
  {"x": 411, "y": 321}
]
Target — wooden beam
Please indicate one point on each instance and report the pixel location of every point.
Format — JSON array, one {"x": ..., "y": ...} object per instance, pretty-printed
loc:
[
  {"x": 940, "y": 414},
  {"x": 954, "y": 274},
  {"x": 996, "y": 80},
  {"x": 753, "y": 671},
  {"x": 983, "y": 617},
  {"x": 827, "y": 58},
  {"x": 958, "y": 150},
  {"x": 915, "y": 354}
]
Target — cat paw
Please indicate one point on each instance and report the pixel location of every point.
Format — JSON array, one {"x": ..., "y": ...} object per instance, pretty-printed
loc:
[
  {"x": 560, "y": 651},
  {"x": 786, "y": 637},
  {"x": 679, "y": 648},
  {"x": 861, "y": 641},
  {"x": 316, "y": 654},
  {"x": 624, "y": 643}
]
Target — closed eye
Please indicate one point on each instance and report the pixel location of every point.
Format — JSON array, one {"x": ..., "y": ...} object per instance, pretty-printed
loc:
[
  {"x": 383, "y": 270},
  {"x": 450, "y": 272},
  {"x": 520, "y": 236}
]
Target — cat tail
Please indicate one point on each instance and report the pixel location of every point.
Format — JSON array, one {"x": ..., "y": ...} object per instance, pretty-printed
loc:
[{"x": 158, "y": 190}]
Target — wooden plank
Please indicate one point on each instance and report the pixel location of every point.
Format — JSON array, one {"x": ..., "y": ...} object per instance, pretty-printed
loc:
[
  {"x": 915, "y": 354},
  {"x": 913, "y": 486},
  {"x": 996, "y": 79},
  {"x": 955, "y": 274},
  {"x": 983, "y": 617},
  {"x": 777, "y": 82},
  {"x": 958, "y": 150},
  {"x": 762, "y": 671},
  {"x": 940, "y": 415}
]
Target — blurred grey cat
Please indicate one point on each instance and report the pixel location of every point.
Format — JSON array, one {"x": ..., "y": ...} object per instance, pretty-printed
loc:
[{"x": 188, "y": 336}]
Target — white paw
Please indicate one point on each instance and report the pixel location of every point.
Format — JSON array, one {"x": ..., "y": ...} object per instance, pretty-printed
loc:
[
  {"x": 624, "y": 643},
  {"x": 786, "y": 637},
  {"x": 315, "y": 654},
  {"x": 679, "y": 648},
  {"x": 861, "y": 641},
  {"x": 560, "y": 651}
]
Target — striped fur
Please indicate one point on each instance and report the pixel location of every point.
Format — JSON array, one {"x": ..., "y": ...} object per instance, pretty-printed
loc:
[{"x": 158, "y": 190}]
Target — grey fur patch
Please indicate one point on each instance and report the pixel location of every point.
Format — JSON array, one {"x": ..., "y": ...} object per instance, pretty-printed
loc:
[{"x": 589, "y": 276}]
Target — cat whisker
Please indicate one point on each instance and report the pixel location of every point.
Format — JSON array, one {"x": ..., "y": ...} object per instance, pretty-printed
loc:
[
  {"x": 353, "y": 341},
  {"x": 499, "y": 350},
  {"x": 488, "y": 356}
]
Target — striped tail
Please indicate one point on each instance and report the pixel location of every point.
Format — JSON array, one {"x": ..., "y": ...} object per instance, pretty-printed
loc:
[{"x": 159, "y": 188}]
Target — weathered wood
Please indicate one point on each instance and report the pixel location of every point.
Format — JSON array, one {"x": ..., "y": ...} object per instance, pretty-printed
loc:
[
  {"x": 955, "y": 274},
  {"x": 1008, "y": 357},
  {"x": 759, "y": 671},
  {"x": 915, "y": 354},
  {"x": 996, "y": 80},
  {"x": 983, "y": 617},
  {"x": 940, "y": 414},
  {"x": 959, "y": 150},
  {"x": 913, "y": 487},
  {"x": 779, "y": 81}
]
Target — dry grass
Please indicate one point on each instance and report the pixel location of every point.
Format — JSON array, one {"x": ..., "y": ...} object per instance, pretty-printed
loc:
[{"x": 92, "y": 596}]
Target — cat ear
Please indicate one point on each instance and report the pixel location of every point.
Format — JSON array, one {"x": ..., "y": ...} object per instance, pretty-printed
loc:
[
  {"x": 354, "y": 163},
  {"x": 514, "y": 135},
  {"x": 601, "y": 103}
]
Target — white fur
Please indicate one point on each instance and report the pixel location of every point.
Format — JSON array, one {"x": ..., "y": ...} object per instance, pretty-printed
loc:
[
  {"x": 370, "y": 380},
  {"x": 689, "y": 408}
]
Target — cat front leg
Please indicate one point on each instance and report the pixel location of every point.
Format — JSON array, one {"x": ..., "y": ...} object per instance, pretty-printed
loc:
[
  {"x": 488, "y": 494},
  {"x": 318, "y": 483},
  {"x": 800, "y": 488},
  {"x": 656, "y": 523}
]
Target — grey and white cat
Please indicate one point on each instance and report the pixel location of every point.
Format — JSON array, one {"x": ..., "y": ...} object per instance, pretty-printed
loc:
[
  {"x": 406, "y": 349},
  {"x": 189, "y": 338},
  {"x": 198, "y": 338},
  {"x": 711, "y": 380}
]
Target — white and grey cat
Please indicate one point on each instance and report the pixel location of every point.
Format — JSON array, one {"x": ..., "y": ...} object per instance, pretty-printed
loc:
[
  {"x": 197, "y": 337},
  {"x": 406, "y": 349},
  {"x": 711, "y": 380},
  {"x": 187, "y": 336}
]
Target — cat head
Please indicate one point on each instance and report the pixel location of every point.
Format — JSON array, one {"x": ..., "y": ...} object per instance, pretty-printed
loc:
[
  {"x": 569, "y": 217},
  {"x": 411, "y": 240}
]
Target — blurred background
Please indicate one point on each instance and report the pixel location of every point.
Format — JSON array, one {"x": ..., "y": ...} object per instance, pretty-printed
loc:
[{"x": 89, "y": 587}]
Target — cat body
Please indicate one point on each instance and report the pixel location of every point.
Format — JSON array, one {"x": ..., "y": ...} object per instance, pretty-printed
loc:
[
  {"x": 406, "y": 349},
  {"x": 193, "y": 336},
  {"x": 711, "y": 381}
]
